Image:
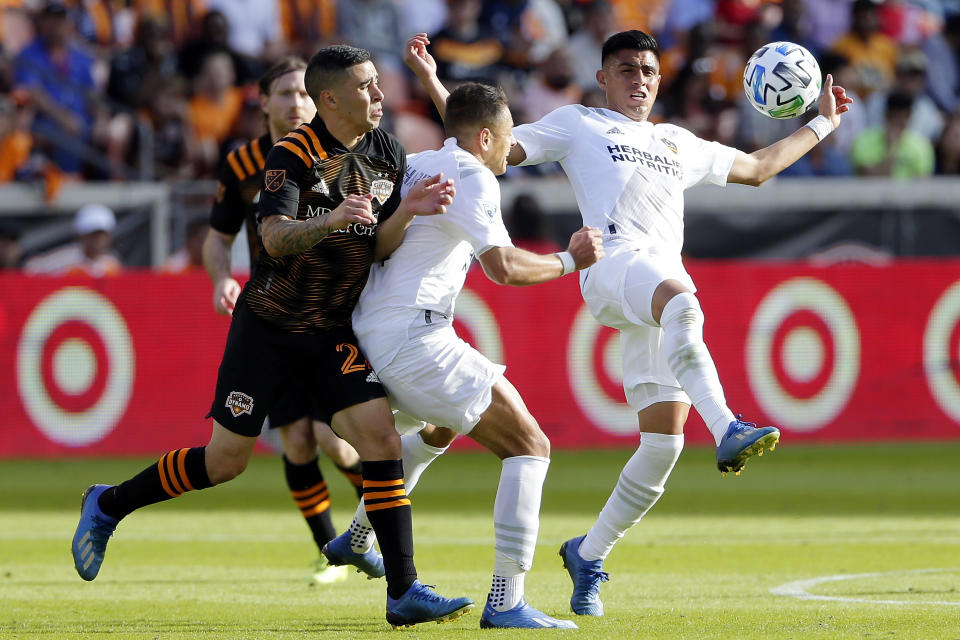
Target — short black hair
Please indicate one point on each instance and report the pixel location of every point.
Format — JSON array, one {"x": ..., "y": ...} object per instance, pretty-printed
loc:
[
  {"x": 282, "y": 67},
  {"x": 474, "y": 105},
  {"x": 899, "y": 102},
  {"x": 635, "y": 40},
  {"x": 329, "y": 63}
]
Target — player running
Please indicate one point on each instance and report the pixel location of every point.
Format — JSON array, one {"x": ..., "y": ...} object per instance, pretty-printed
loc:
[
  {"x": 404, "y": 323},
  {"x": 285, "y": 105},
  {"x": 629, "y": 175},
  {"x": 330, "y": 205}
]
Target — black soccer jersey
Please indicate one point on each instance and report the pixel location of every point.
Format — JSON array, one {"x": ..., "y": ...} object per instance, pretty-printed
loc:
[
  {"x": 307, "y": 173},
  {"x": 238, "y": 192}
]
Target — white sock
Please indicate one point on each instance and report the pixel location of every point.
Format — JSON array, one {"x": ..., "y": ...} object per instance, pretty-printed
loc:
[
  {"x": 506, "y": 590},
  {"x": 691, "y": 364},
  {"x": 516, "y": 522},
  {"x": 417, "y": 456},
  {"x": 639, "y": 487}
]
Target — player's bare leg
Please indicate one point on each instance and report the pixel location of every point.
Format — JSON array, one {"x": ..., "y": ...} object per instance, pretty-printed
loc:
[
  {"x": 369, "y": 427},
  {"x": 509, "y": 430},
  {"x": 339, "y": 451}
]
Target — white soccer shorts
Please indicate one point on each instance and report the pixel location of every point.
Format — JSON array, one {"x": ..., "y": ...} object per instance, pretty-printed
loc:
[
  {"x": 441, "y": 379},
  {"x": 619, "y": 292}
]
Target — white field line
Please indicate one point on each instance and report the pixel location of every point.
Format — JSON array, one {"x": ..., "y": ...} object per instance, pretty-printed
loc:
[{"x": 799, "y": 588}]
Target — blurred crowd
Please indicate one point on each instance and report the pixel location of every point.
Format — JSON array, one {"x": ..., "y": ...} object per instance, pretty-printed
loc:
[{"x": 164, "y": 89}]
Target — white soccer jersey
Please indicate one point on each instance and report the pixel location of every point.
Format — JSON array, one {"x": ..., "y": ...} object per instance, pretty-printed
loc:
[
  {"x": 428, "y": 269},
  {"x": 628, "y": 176}
]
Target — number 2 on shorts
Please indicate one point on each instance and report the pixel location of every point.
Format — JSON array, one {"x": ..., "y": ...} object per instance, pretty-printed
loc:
[{"x": 350, "y": 364}]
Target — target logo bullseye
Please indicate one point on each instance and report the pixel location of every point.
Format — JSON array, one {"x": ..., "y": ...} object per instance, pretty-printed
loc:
[
  {"x": 593, "y": 365},
  {"x": 941, "y": 352},
  {"x": 803, "y": 354},
  {"x": 75, "y": 366},
  {"x": 477, "y": 325}
]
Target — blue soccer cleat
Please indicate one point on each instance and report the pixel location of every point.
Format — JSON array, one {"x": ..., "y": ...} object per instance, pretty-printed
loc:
[
  {"x": 522, "y": 616},
  {"x": 587, "y": 575},
  {"x": 742, "y": 440},
  {"x": 338, "y": 552},
  {"x": 422, "y": 604},
  {"x": 93, "y": 532}
]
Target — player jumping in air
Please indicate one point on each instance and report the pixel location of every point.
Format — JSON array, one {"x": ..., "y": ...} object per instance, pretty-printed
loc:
[
  {"x": 404, "y": 321},
  {"x": 330, "y": 205},
  {"x": 629, "y": 175}
]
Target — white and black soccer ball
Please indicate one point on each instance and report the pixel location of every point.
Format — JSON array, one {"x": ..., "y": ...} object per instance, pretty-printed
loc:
[{"x": 782, "y": 80}]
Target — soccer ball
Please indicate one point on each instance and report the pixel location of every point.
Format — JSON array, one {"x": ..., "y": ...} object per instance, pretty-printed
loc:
[{"x": 782, "y": 80}]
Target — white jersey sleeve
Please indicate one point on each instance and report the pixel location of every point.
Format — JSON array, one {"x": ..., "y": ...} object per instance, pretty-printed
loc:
[
  {"x": 480, "y": 221},
  {"x": 550, "y": 138},
  {"x": 704, "y": 162}
]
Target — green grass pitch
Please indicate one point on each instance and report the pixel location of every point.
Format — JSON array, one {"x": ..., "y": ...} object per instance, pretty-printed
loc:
[{"x": 873, "y": 530}]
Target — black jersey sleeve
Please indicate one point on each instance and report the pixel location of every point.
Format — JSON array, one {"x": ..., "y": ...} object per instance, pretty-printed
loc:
[
  {"x": 398, "y": 156},
  {"x": 227, "y": 213},
  {"x": 280, "y": 192}
]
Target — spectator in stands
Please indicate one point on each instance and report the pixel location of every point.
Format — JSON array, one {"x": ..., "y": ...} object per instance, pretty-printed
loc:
[
  {"x": 585, "y": 44},
  {"x": 189, "y": 259},
  {"x": 873, "y": 54},
  {"x": 892, "y": 149},
  {"x": 793, "y": 27},
  {"x": 9, "y": 244},
  {"x": 551, "y": 86},
  {"x": 253, "y": 27},
  {"x": 16, "y": 143},
  {"x": 529, "y": 29},
  {"x": 59, "y": 76},
  {"x": 90, "y": 255},
  {"x": 214, "y": 36},
  {"x": 151, "y": 56},
  {"x": 826, "y": 21},
  {"x": 943, "y": 54},
  {"x": 306, "y": 24},
  {"x": 911, "y": 78},
  {"x": 373, "y": 25},
  {"x": 215, "y": 106},
  {"x": 948, "y": 147},
  {"x": 465, "y": 49}
]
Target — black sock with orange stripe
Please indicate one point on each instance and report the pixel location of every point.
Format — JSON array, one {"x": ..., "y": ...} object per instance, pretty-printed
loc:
[
  {"x": 355, "y": 475},
  {"x": 175, "y": 473},
  {"x": 310, "y": 493},
  {"x": 388, "y": 509}
]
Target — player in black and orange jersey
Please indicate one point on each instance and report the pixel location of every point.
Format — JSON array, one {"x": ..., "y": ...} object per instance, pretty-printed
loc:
[
  {"x": 330, "y": 206},
  {"x": 286, "y": 105}
]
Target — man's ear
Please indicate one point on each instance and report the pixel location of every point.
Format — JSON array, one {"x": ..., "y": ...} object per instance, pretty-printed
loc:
[
  {"x": 601, "y": 79},
  {"x": 327, "y": 99},
  {"x": 263, "y": 103},
  {"x": 485, "y": 137}
]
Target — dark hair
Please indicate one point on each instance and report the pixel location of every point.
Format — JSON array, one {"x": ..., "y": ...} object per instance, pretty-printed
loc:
[
  {"x": 282, "y": 67},
  {"x": 635, "y": 40},
  {"x": 899, "y": 101},
  {"x": 329, "y": 63},
  {"x": 474, "y": 105}
]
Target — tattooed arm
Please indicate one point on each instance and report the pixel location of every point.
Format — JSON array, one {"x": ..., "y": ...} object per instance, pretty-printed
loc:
[{"x": 283, "y": 236}]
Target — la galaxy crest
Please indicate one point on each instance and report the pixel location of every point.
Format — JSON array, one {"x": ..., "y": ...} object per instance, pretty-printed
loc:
[{"x": 669, "y": 144}]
